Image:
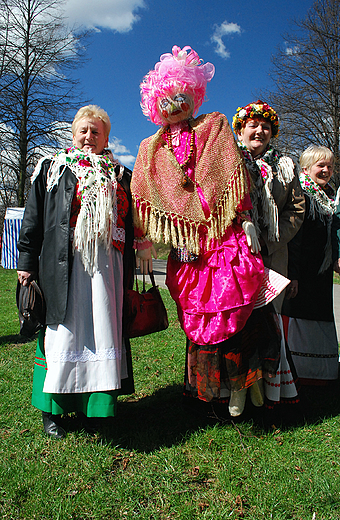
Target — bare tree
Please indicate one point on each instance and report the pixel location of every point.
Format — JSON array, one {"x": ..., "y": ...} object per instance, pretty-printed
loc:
[
  {"x": 306, "y": 74},
  {"x": 37, "y": 93}
]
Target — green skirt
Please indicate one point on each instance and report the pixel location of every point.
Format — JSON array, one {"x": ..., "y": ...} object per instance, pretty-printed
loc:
[{"x": 92, "y": 404}]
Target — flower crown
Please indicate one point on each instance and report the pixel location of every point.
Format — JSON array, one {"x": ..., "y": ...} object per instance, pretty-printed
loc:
[{"x": 253, "y": 110}]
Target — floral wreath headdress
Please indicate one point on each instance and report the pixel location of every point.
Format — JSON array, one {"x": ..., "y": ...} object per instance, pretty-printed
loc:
[
  {"x": 253, "y": 110},
  {"x": 180, "y": 70}
]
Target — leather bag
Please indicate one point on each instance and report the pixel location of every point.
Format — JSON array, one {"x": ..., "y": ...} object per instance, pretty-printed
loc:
[
  {"x": 144, "y": 312},
  {"x": 31, "y": 307}
]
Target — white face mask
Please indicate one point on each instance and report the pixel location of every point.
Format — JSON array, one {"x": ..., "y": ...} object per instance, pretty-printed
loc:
[{"x": 175, "y": 108}]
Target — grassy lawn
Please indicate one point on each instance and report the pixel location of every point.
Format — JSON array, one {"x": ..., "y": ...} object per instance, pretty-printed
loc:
[
  {"x": 161, "y": 457},
  {"x": 162, "y": 250}
]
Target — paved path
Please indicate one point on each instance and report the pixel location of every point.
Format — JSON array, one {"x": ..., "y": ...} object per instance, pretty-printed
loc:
[
  {"x": 336, "y": 295},
  {"x": 159, "y": 269}
]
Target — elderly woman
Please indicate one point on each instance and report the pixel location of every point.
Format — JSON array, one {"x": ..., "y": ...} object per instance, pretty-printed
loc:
[
  {"x": 278, "y": 210},
  {"x": 311, "y": 330},
  {"x": 76, "y": 227}
]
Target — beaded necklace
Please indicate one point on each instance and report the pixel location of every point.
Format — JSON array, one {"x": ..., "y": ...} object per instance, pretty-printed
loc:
[{"x": 186, "y": 181}]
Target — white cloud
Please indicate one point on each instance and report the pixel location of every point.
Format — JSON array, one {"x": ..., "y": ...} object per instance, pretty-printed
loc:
[
  {"x": 126, "y": 160},
  {"x": 225, "y": 29},
  {"x": 290, "y": 51},
  {"x": 44, "y": 30},
  {"x": 120, "y": 152},
  {"x": 117, "y": 15}
]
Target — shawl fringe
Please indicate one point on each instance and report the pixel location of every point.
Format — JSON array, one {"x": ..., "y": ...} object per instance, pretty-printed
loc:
[
  {"x": 95, "y": 225},
  {"x": 321, "y": 207},
  {"x": 316, "y": 211},
  {"x": 285, "y": 170},
  {"x": 97, "y": 185},
  {"x": 261, "y": 173},
  {"x": 178, "y": 230}
]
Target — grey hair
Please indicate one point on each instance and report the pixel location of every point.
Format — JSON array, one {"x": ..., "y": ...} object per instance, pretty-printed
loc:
[
  {"x": 94, "y": 112},
  {"x": 313, "y": 154}
]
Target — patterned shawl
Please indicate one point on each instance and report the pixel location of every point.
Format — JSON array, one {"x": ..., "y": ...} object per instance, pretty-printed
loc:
[
  {"x": 169, "y": 213},
  {"x": 97, "y": 185},
  {"x": 265, "y": 210},
  {"x": 321, "y": 207}
]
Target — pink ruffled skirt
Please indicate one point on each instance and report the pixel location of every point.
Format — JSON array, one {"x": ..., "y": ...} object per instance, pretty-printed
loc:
[{"x": 215, "y": 294}]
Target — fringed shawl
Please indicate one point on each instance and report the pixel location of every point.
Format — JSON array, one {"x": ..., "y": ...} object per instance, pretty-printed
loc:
[
  {"x": 261, "y": 173},
  {"x": 97, "y": 186},
  {"x": 321, "y": 207},
  {"x": 169, "y": 213}
]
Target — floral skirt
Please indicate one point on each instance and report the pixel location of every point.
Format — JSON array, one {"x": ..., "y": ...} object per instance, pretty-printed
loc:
[{"x": 212, "y": 371}]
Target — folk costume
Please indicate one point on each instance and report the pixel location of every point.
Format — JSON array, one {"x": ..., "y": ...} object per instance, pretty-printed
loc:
[
  {"x": 74, "y": 236},
  {"x": 311, "y": 331},
  {"x": 190, "y": 190},
  {"x": 277, "y": 213},
  {"x": 278, "y": 206},
  {"x": 210, "y": 309}
]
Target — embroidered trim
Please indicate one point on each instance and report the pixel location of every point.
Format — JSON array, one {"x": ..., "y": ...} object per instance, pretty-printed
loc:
[
  {"x": 118, "y": 234},
  {"x": 278, "y": 385},
  {"x": 321, "y": 356},
  {"x": 83, "y": 356}
]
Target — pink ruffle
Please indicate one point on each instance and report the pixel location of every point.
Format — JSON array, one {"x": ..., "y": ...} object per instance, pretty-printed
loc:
[{"x": 216, "y": 294}]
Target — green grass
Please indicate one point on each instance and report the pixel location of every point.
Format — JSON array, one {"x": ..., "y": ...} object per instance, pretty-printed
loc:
[
  {"x": 162, "y": 250},
  {"x": 161, "y": 457},
  {"x": 336, "y": 278}
]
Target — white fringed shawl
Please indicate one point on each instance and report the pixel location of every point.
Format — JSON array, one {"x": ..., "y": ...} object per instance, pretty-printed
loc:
[
  {"x": 97, "y": 185},
  {"x": 261, "y": 173}
]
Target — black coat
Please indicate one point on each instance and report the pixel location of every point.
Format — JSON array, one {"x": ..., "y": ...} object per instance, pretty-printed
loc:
[
  {"x": 314, "y": 300},
  {"x": 44, "y": 241}
]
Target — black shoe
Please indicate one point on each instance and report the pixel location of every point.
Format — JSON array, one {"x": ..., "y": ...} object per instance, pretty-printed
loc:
[
  {"x": 90, "y": 424},
  {"x": 52, "y": 429}
]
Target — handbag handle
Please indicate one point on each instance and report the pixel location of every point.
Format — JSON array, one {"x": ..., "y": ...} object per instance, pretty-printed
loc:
[
  {"x": 29, "y": 296},
  {"x": 152, "y": 278}
]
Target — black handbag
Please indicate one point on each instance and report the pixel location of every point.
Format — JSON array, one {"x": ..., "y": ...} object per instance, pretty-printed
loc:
[
  {"x": 144, "y": 313},
  {"x": 31, "y": 307}
]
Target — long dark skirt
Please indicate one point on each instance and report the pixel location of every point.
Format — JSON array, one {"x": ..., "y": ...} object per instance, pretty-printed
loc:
[{"x": 212, "y": 371}]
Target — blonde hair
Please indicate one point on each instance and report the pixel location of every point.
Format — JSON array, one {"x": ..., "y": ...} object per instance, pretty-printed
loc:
[
  {"x": 94, "y": 112},
  {"x": 313, "y": 154}
]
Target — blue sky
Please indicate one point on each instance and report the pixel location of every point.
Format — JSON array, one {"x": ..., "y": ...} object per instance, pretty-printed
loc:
[{"x": 239, "y": 38}]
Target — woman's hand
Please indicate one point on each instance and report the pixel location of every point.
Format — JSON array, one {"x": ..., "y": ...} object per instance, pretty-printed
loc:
[
  {"x": 144, "y": 259},
  {"x": 292, "y": 289},
  {"x": 250, "y": 231},
  {"x": 25, "y": 277}
]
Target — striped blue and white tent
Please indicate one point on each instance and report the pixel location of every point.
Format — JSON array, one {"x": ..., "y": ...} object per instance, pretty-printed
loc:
[{"x": 12, "y": 225}]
